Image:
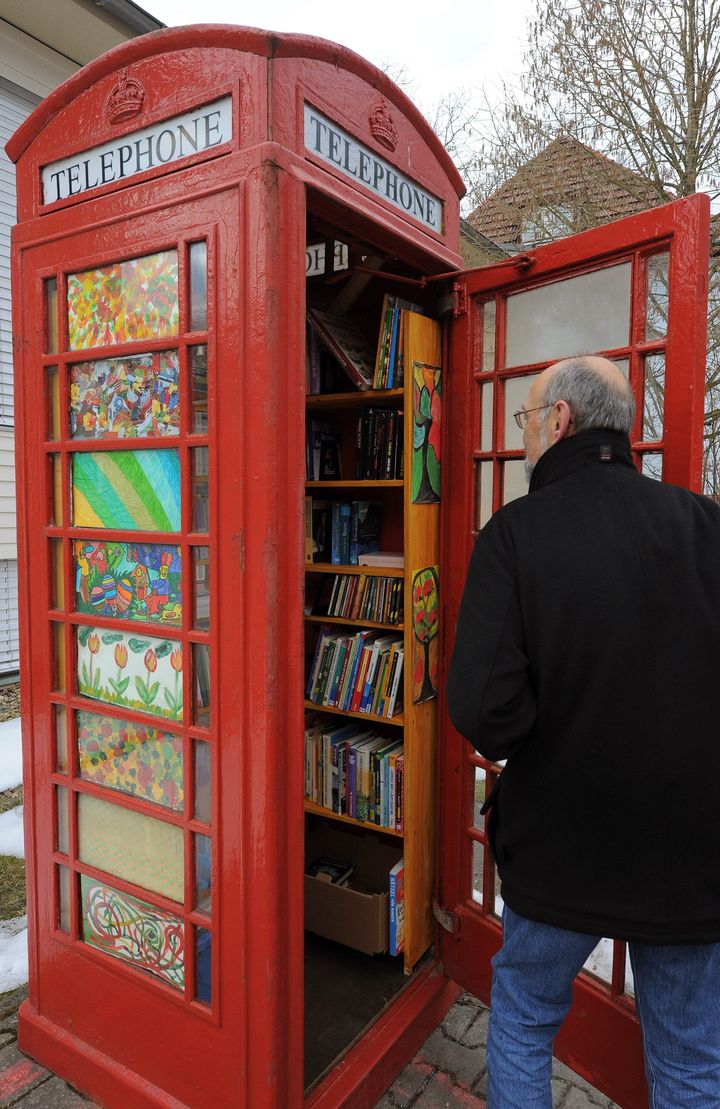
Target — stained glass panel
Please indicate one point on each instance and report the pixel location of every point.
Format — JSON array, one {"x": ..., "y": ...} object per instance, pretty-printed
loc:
[
  {"x": 129, "y": 929},
  {"x": 134, "y": 490},
  {"x": 130, "y": 581},
  {"x": 136, "y": 671},
  {"x": 132, "y": 758},
  {"x": 125, "y": 302},
  {"x": 131, "y": 845},
  {"x": 125, "y": 398}
]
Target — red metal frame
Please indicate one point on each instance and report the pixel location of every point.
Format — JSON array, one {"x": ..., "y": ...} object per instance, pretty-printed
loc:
[{"x": 611, "y": 1056}]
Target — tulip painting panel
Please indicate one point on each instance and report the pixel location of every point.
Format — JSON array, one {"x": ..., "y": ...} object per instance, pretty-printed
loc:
[
  {"x": 138, "y": 759},
  {"x": 137, "y": 672},
  {"x": 427, "y": 382},
  {"x": 124, "y": 302},
  {"x": 133, "y": 490},
  {"x": 123, "y": 398},
  {"x": 129, "y": 581},
  {"x": 426, "y": 625}
]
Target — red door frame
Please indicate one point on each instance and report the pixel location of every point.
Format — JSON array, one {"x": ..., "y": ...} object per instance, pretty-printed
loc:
[{"x": 611, "y": 1055}]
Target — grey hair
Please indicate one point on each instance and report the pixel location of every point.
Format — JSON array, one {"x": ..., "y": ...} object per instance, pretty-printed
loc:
[{"x": 593, "y": 401}]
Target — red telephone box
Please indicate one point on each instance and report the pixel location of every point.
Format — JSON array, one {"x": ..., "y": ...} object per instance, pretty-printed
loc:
[{"x": 201, "y": 211}]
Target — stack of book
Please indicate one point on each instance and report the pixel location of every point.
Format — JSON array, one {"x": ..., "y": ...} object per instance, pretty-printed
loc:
[
  {"x": 354, "y": 772},
  {"x": 390, "y": 359},
  {"x": 357, "y": 673},
  {"x": 322, "y": 452},
  {"x": 347, "y": 344},
  {"x": 380, "y": 444},
  {"x": 341, "y": 531},
  {"x": 358, "y": 597}
]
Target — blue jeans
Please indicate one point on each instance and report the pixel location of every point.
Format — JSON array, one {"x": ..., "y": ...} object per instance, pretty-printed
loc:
[{"x": 677, "y": 992}]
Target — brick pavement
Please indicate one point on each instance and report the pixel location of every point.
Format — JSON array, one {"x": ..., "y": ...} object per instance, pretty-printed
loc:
[{"x": 447, "y": 1073}]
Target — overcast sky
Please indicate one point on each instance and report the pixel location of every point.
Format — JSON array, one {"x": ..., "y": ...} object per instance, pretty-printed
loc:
[{"x": 474, "y": 44}]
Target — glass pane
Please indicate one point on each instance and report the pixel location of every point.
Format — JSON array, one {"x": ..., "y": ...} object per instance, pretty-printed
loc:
[
  {"x": 52, "y": 394},
  {"x": 202, "y": 781},
  {"x": 122, "y": 398},
  {"x": 198, "y": 286},
  {"x": 483, "y": 493},
  {"x": 136, "y": 671},
  {"x": 198, "y": 373},
  {"x": 124, "y": 302},
  {"x": 58, "y": 578},
  {"x": 514, "y": 484},
  {"x": 479, "y": 800},
  {"x": 61, "y": 744},
  {"x": 488, "y": 352},
  {"x": 599, "y": 962},
  {"x": 652, "y": 464},
  {"x": 51, "y": 316},
  {"x": 203, "y": 961},
  {"x": 130, "y": 581},
  {"x": 63, "y": 888},
  {"x": 657, "y": 296},
  {"x": 623, "y": 364},
  {"x": 654, "y": 399},
  {"x": 59, "y": 667},
  {"x": 499, "y": 903},
  {"x": 629, "y": 977},
  {"x": 478, "y": 866},
  {"x": 203, "y": 878},
  {"x": 580, "y": 315},
  {"x": 201, "y": 598},
  {"x": 134, "y": 490},
  {"x": 200, "y": 512},
  {"x": 486, "y": 418},
  {"x": 132, "y": 758},
  {"x": 56, "y": 498},
  {"x": 150, "y": 939},
  {"x": 516, "y": 391},
  {"x": 61, "y": 837},
  {"x": 201, "y": 661},
  {"x": 131, "y": 845}
]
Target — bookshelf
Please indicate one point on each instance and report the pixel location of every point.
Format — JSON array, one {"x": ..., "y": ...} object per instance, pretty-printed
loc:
[{"x": 413, "y": 528}]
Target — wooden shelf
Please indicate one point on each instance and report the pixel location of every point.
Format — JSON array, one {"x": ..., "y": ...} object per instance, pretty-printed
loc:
[
  {"x": 397, "y": 721},
  {"x": 391, "y": 483},
  {"x": 352, "y": 400},
  {"x": 320, "y": 810},
  {"x": 369, "y": 571},
  {"x": 312, "y": 618}
]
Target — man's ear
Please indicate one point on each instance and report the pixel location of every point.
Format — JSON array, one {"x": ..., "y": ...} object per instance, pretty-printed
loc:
[{"x": 560, "y": 424}]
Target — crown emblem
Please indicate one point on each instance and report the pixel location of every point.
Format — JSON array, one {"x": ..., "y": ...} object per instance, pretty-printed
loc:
[
  {"x": 125, "y": 100},
  {"x": 382, "y": 125}
]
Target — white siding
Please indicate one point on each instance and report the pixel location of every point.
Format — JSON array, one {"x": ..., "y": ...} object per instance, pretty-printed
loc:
[
  {"x": 29, "y": 64},
  {"x": 9, "y": 645}
]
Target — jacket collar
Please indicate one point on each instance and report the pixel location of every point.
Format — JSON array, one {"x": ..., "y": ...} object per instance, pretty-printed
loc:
[{"x": 594, "y": 446}]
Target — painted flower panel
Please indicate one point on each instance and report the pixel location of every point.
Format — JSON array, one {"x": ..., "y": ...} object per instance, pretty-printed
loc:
[
  {"x": 148, "y": 938},
  {"x": 125, "y": 302},
  {"x": 134, "y": 490},
  {"x": 139, "y": 672},
  {"x": 123, "y": 398},
  {"x": 132, "y": 758},
  {"x": 129, "y": 581}
]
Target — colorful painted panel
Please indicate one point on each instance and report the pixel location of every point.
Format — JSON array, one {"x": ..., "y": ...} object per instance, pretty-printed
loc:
[
  {"x": 131, "y": 758},
  {"x": 426, "y": 433},
  {"x": 131, "y": 845},
  {"x": 120, "y": 925},
  {"x": 131, "y": 581},
  {"x": 123, "y": 398},
  {"x": 137, "y": 672},
  {"x": 124, "y": 302},
  {"x": 135, "y": 490},
  {"x": 426, "y": 624}
]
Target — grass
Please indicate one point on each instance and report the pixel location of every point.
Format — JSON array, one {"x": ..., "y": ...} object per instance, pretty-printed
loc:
[{"x": 12, "y": 887}]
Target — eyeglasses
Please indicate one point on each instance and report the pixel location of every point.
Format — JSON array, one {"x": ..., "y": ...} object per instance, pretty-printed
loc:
[{"x": 521, "y": 417}]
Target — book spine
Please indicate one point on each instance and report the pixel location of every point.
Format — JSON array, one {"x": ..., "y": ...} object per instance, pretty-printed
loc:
[
  {"x": 351, "y": 779},
  {"x": 392, "y": 930}
]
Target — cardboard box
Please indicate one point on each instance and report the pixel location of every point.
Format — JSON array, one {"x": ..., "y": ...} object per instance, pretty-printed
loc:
[{"x": 356, "y": 914}]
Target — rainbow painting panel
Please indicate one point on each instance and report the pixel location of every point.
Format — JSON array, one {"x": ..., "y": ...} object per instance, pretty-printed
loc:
[
  {"x": 124, "y": 302},
  {"x": 133, "y": 490}
]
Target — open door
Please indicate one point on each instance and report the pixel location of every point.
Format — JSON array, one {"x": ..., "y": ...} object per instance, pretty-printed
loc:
[{"x": 636, "y": 292}]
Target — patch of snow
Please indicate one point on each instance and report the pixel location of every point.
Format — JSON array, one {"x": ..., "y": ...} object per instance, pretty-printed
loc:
[
  {"x": 13, "y": 953},
  {"x": 11, "y": 833},
  {"x": 10, "y": 754}
]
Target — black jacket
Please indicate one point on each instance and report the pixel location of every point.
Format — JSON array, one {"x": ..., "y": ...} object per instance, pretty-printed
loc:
[{"x": 588, "y": 656}]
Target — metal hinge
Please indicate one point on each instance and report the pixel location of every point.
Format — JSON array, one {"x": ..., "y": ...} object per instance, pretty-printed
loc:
[
  {"x": 459, "y": 298},
  {"x": 445, "y": 918}
]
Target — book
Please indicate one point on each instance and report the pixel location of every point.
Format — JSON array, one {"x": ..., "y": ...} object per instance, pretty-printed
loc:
[
  {"x": 396, "y": 892},
  {"x": 364, "y": 529},
  {"x": 330, "y": 870},
  {"x": 346, "y": 342},
  {"x": 394, "y": 697},
  {"x": 381, "y": 558},
  {"x": 341, "y": 521},
  {"x": 321, "y": 524}
]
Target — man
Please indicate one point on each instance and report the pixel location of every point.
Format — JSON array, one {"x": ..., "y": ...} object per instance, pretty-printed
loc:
[{"x": 587, "y": 655}]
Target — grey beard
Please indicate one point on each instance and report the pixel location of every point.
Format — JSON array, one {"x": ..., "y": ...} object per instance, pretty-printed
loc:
[{"x": 529, "y": 467}]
